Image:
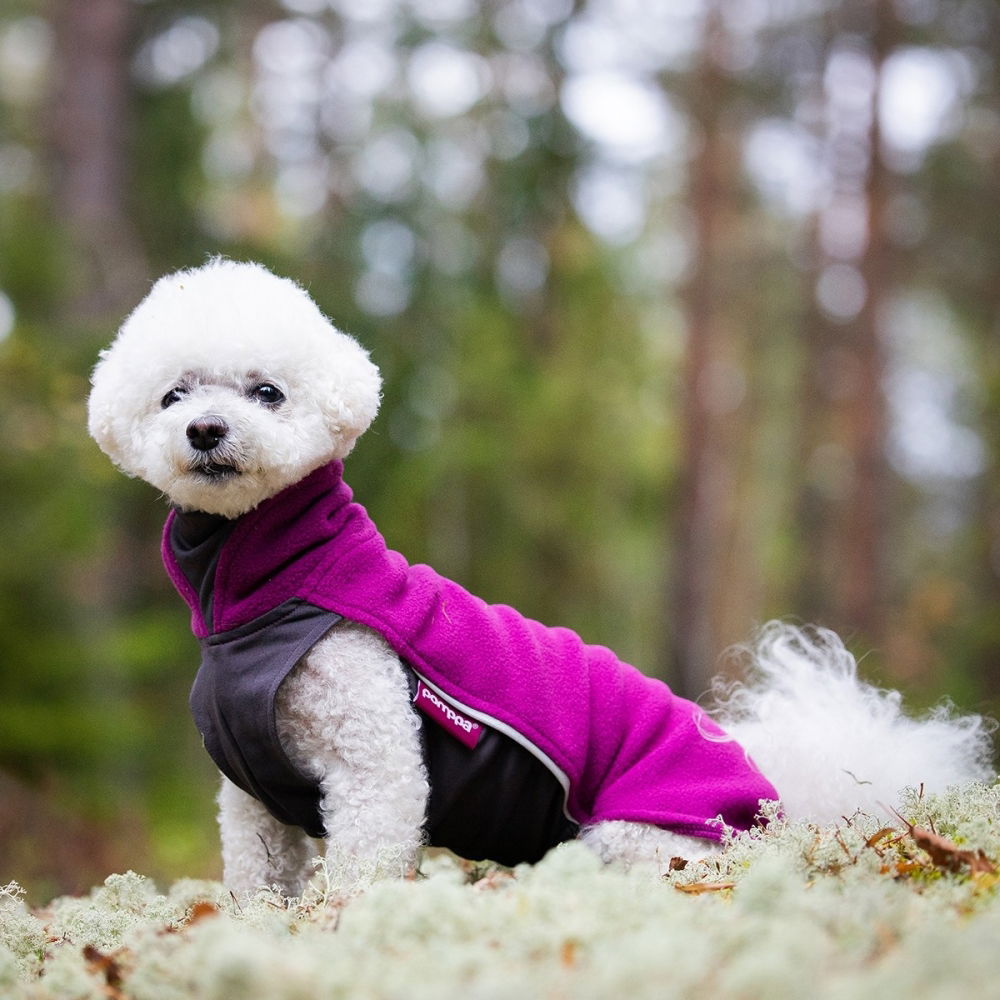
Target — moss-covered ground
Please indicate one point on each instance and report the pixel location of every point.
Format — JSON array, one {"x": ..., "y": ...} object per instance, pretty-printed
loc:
[{"x": 861, "y": 909}]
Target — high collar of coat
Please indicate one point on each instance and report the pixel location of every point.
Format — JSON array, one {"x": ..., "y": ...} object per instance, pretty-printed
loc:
[{"x": 264, "y": 557}]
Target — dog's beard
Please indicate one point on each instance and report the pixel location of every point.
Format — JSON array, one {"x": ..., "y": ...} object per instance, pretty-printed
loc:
[
  {"x": 216, "y": 484},
  {"x": 224, "y": 462},
  {"x": 214, "y": 469}
]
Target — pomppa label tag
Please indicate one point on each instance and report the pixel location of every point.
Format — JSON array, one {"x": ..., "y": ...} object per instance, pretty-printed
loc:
[{"x": 464, "y": 729}]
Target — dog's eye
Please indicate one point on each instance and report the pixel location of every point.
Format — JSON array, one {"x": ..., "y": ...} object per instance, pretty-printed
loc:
[
  {"x": 268, "y": 394},
  {"x": 174, "y": 396}
]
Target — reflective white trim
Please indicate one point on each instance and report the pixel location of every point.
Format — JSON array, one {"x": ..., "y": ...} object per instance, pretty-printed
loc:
[{"x": 557, "y": 772}]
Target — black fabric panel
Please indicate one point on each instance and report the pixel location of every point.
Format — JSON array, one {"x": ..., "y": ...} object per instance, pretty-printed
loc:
[
  {"x": 197, "y": 539},
  {"x": 496, "y": 801}
]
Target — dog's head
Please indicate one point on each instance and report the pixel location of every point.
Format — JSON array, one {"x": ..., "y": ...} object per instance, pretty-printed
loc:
[{"x": 227, "y": 384}]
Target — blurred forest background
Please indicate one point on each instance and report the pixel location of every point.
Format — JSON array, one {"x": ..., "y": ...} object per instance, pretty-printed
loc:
[{"x": 687, "y": 310}]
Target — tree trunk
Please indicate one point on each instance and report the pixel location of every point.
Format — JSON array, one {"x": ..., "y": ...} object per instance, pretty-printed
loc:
[
  {"x": 705, "y": 472},
  {"x": 862, "y": 594},
  {"x": 89, "y": 140},
  {"x": 842, "y": 520}
]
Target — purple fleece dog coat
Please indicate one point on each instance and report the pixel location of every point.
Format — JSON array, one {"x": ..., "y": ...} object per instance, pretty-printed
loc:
[{"x": 620, "y": 745}]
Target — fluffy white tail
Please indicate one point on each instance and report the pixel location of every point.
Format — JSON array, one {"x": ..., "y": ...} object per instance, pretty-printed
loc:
[{"x": 833, "y": 744}]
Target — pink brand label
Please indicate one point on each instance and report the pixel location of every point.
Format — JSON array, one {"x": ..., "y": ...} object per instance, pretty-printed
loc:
[{"x": 435, "y": 707}]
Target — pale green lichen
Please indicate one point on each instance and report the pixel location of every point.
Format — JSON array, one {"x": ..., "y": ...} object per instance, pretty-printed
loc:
[
  {"x": 22, "y": 937},
  {"x": 848, "y": 911}
]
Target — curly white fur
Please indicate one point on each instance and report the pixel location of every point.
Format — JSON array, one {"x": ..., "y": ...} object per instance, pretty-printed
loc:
[
  {"x": 216, "y": 331},
  {"x": 833, "y": 744},
  {"x": 344, "y": 718},
  {"x": 199, "y": 348}
]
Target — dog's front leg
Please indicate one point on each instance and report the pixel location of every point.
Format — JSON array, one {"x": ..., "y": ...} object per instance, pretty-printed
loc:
[
  {"x": 257, "y": 849},
  {"x": 373, "y": 817},
  {"x": 345, "y": 716}
]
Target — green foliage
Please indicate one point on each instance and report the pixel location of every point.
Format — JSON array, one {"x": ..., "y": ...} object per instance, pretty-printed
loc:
[
  {"x": 83, "y": 690},
  {"x": 168, "y": 145},
  {"x": 529, "y": 439}
]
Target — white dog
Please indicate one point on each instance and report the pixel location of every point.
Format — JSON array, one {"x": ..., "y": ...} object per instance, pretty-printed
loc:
[{"x": 347, "y": 695}]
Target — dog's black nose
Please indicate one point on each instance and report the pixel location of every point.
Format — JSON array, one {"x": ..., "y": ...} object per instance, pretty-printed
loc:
[{"x": 206, "y": 432}]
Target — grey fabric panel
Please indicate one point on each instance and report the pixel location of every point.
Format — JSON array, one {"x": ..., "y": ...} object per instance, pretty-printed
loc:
[{"x": 232, "y": 701}]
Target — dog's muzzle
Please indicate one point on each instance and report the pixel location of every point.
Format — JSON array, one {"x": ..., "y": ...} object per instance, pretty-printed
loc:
[{"x": 205, "y": 435}]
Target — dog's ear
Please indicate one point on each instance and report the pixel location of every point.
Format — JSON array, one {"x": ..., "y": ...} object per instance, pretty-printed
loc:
[
  {"x": 125, "y": 377},
  {"x": 105, "y": 409},
  {"x": 351, "y": 392}
]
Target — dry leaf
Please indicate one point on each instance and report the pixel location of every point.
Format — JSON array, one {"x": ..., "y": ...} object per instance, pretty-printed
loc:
[
  {"x": 876, "y": 838},
  {"x": 901, "y": 868},
  {"x": 697, "y": 888},
  {"x": 201, "y": 911},
  {"x": 493, "y": 880},
  {"x": 108, "y": 967},
  {"x": 948, "y": 856},
  {"x": 986, "y": 880}
]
